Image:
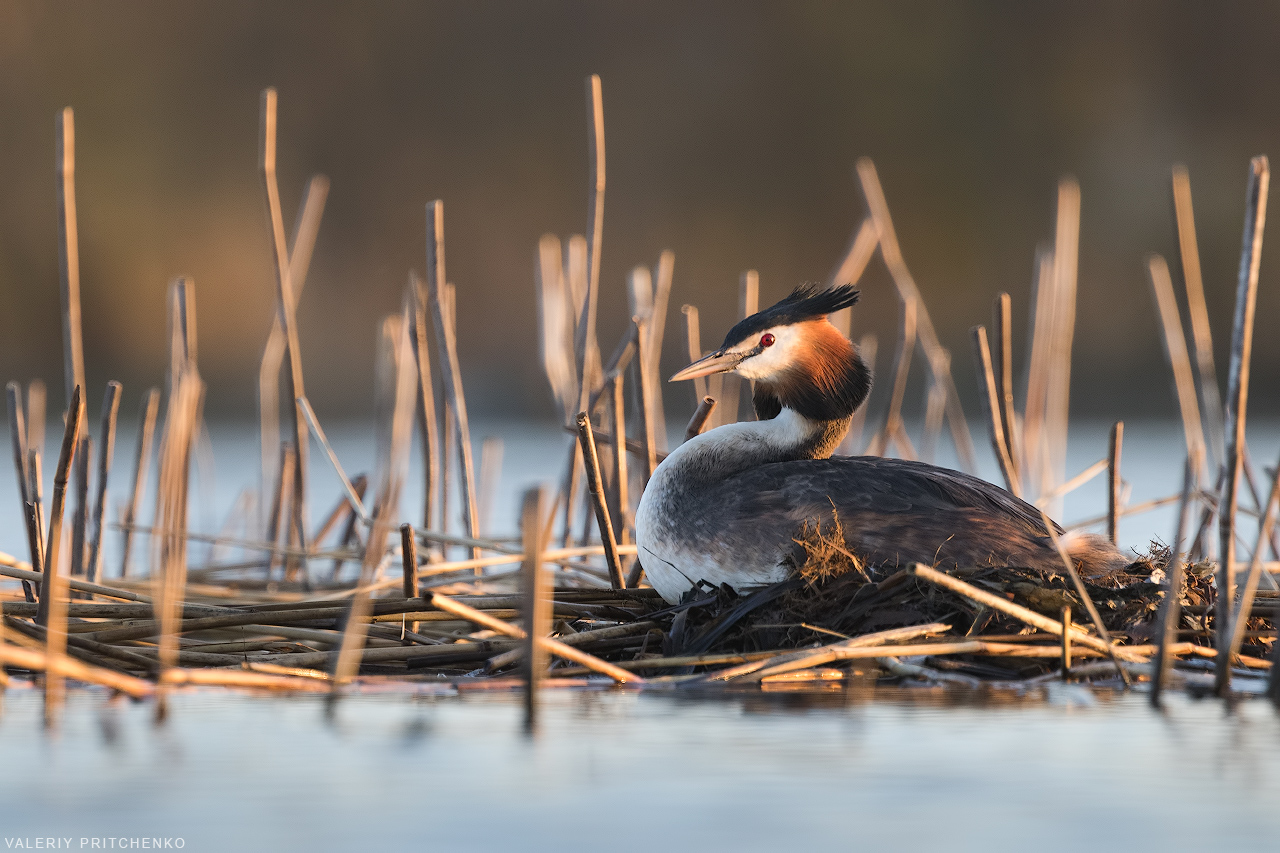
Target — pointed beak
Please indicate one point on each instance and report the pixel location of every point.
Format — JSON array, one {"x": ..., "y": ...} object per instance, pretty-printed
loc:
[{"x": 718, "y": 362}]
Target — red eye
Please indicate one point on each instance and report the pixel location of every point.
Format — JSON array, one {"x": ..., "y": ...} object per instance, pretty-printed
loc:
[{"x": 766, "y": 340}]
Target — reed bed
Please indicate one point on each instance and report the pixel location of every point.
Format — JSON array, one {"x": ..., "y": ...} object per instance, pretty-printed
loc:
[{"x": 449, "y": 600}]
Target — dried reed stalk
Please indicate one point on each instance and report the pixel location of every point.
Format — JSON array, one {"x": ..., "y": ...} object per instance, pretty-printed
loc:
[
  {"x": 908, "y": 292},
  {"x": 110, "y": 409},
  {"x": 779, "y": 663},
  {"x": 1175, "y": 349},
  {"x": 142, "y": 459},
  {"x": 587, "y": 350},
  {"x": 862, "y": 245},
  {"x": 451, "y": 370},
  {"x": 1265, "y": 525},
  {"x": 428, "y": 426},
  {"x": 1201, "y": 335},
  {"x": 1002, "y": 329},
  {"x": 181, "y": 421},
  {"x": 1040, "y": 341},
  {"x": 277, "y": 520},
  {"x": 990, "y": 398},
  {"x": 693, "y": 341},
  {"x": 700, "y": 416},
  {"x": 18, "y": 438},
  {"x": 490, "y": 475},
  {"x": 537, "y": 588},
  {"x": 80, "y": 515},
  {"x": 285, "y": 305},
  {"x": 305, "y": 230},
  {"x": 409, "y": 560},
  {"x": 52, "y": 613},
  {"x": 60, "y": 667},
  {"x": 662, "y": 279},
  {"x": 1237, "y": 402},
  {"x": 557, "y": 648},
  {"x": 901, "y": 368},
  {"x": 37, "y": 397},
  {"x": 1066, "y": 251},
  {"x": 621, "y": 495},
  {"x": 69, "y": 252},
  {"x": 555, "y": 325},
  {"x": 1114, "y": 482}
]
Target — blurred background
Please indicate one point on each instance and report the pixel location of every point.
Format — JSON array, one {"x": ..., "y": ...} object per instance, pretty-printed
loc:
[{"x": 731, "y": 129}]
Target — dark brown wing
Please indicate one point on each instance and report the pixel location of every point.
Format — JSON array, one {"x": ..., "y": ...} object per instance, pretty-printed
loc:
[{"x": 891, "y": 511}]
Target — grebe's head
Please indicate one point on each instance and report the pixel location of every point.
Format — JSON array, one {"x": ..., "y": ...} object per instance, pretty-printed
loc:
[{"x": 795, "y": 356}]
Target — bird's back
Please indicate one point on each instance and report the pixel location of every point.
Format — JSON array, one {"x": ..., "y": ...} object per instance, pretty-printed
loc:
[{"x": 889, "y": 512}]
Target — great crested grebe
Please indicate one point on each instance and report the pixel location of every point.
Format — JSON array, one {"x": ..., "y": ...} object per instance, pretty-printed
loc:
[{"x": 727, "y": 505}]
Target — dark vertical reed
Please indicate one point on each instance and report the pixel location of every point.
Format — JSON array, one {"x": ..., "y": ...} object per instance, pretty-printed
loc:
[
  {"x": 142, "y": 459},
  {"x": 80, "y": 515},
  {"x": 588, "y": 443},
  {"x": 1265, "y": 525},
  {"x": 1113, "y": 481},
  {"x": 279, "y": 501},
  {"x": 18, "y": 439},
  {"x": 52, "y": 612},
  {"x": 622, "y": 493},
  {"x": 1237, "y": 402},
  {"x": 588, "y": 352},
  {"x": 536, "y": 583},
  {"x": 1170, "y": 608},
  {"x": 409, "y": 560},
  {"x": 110, "y": 408}
]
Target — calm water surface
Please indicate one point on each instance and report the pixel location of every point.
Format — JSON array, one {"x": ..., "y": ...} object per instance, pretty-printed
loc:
[{"x": 624, "y": 771}]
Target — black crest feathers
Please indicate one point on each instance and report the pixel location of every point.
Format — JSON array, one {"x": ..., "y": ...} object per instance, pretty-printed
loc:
[{"x": 806, "y": 302}]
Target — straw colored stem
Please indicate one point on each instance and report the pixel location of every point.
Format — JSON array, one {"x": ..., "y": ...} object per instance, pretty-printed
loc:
[
  {"x": 427, "y": 423},
  {"x": 791, "y": 661},
  {"x": 1175, "y": 348},
  {"x": 279, "y": 502},
  {"x": 1245, "y": 607},
  {"x": 53, "y": 596},
  {"x": 1002, "y": 330},
  {"x": 69, "y": 252},
  {"x": 537, "y": 590},
  {"x": 61, "y": 667},
  {"x": 693, "y": 341},
  {"x": 907, "y": 290},
  {"x": 596, "y": 487},
  {"x": 990, "y": 396},
  {"x": 1113, "y": 481},
  {"x": 1206, "y": 372},
  {"x": 1237, "y": 401},
  {"x": 587, "y": 350},
  {"x": 451, "y": 370},
  {"x": 285, "y": 304},
  {"x": 621, "y": 490}
]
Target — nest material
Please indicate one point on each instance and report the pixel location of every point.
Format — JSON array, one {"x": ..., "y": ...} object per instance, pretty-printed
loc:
[{"x": 835, "y": 594}]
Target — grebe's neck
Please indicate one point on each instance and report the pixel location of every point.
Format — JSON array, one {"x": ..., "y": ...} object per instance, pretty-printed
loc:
[{"x": 732, "y": 448}]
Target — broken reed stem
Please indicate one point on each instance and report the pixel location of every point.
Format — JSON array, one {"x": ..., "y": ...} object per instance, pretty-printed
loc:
[
  {"x": 1175, "y": 349},
  {"x": 1206, "y": 372},
  {"x": 409, "y": 560},
  {"x": 182, "y": 418},
  {"x": 80, "y": 515},
  {"x": 1114, "y": 482},
  {"x": 1170, "y": 606},
  {"x": 1002, "y": 329},
  {"x": 69, "y": 252},
  {"x": 901, "y": 368},
  {"x": 427, "y": 423},
  {"x": 18, "y": 439},
  {"x": 1237, "y": 401},
  {"x": 700, "y": 417},
  {"x": 1066, "y": 251},
  {"x": 588, "y": 444},
  {"x": 345, "y": 660},
  {"x": 777, "y": 664},
  {"x": 110, "y": 409},
  {"x": 305, "y": 229},
  {"x": 1098, "y": 624},
  {"x": 1039, "y": 339},
  {"x": 279, "y": 501},
  {"x": 52, "y": 613},
  {"x": 537, "y": 589},
  {"x": 862, "y": 246},
  {"x": 1030, "y": 617},
  {"x": 662, "y": 278},
  {"x": 450, "y": 369},
  {"x": 490, "y": 474},
  {"x": 285, "y": 304},
  {"x": 643, "y": 389},
  {"x": 146, "y": 434},
  {"x": 693, "y": 340},
  {"x": 586, "y": 348},
  {"x": 990, "y": 398},
  {"x": 907, "y": 290}
]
